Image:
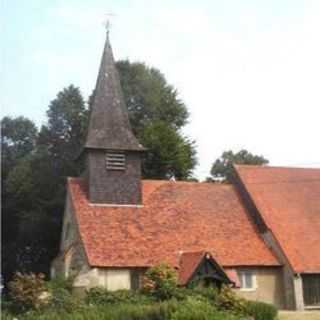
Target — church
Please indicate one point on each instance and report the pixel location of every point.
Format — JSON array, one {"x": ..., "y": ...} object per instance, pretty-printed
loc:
[{"x": 260, "y": 235}]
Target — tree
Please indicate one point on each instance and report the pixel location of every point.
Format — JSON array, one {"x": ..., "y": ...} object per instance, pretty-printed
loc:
[
  {"x": 168, "y": 152},
  {"x": 18, "y": 143},
  {"x": 63, "y": 135},
  {"x": 18, "y": 138},
  {"x": 157, "y": 116},
  {"x": 149, "y": 97},
  {"x": 34, "y": 187},
  {"x": 222, "y": 167}
]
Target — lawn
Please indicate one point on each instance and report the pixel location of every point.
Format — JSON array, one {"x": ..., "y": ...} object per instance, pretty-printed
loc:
[{"x": 299, "y": 315}]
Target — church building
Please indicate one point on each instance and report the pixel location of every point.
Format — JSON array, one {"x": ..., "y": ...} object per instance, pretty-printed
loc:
[{"x": 259, "y": 235}]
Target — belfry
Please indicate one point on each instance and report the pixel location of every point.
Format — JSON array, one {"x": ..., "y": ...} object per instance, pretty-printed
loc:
[{"x": 113, "y": 154}]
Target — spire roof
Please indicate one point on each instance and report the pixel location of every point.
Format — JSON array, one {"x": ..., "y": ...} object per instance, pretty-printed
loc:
[{"x": 109, "y": 126}]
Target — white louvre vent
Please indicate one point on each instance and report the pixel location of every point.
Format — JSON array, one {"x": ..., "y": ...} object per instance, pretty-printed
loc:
[{"x": 115, "y": 161}]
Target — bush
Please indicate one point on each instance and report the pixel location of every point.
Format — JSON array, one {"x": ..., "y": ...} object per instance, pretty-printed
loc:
[
  {"x": 60, "y": 282},
  {"x": 228, "y": 300},
  {"x": 101, "y": 296},
  {"x": 195, "y": 309},
  {"x": 29, "y": 291},
  {"x": 160, "y": 281},
  {"x": 261, "y": 310},
  {"x": 62, "y": 298}
]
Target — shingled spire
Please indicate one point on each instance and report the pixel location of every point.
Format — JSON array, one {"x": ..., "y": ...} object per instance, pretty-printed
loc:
[
  {"x": 109, "y": 126},
  {"x": 113, "y": 152}
]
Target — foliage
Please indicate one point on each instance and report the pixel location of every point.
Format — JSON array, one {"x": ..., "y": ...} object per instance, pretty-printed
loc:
[
  {"x": 261, "y": 311},
  {"x": 18, "y": 138},
  {"x": 28, "y": 290},
  {"x": 169, "y": 153},
  {"x": 62, "y": 298},
  {"x": 192, "y": 309},
  {"x": 160, "y": 281},
  {"x": 149, "y": 98},
  {"x": 157, "y": 116},
  {"x": 193, "y": 304},
  {"x": 34, "y": 184},
  {"x": 198, "y": 309},
  {"x": 223, "y": 167},
  {"x": 228, "y": 300},
  {"x": 101, "y": 296}
]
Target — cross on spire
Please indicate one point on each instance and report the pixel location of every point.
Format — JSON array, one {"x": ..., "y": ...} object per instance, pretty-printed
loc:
[{"x": 107, "y": 23}]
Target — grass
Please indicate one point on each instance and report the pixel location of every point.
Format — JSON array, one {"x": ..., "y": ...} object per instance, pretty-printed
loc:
[{"x": 299, "y": 315}]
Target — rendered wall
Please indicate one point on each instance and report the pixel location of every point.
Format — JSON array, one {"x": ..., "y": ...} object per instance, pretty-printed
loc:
[
  {"x": 269, "y": 288},
  {"x": 293, "y": 297},
  {"x": 72, "y": 260}
]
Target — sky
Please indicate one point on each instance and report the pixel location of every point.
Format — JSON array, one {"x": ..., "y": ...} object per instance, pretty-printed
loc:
[{"x": 247, "y": 70}]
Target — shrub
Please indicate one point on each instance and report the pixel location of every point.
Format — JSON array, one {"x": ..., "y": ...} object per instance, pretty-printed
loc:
[
  {"x": 101, "y": 296},
  {"x": 60, "y": 282},
  {"x": 261, "y": 310},
  {"x": 210, "y": 293},
  {"x": 29, "y": 291},
  {"x": 229, "y": 301},
  {"x": 195, "y": 309},
  {"x": 62, "y": 298},
  {"x": 160, "y": 281}
]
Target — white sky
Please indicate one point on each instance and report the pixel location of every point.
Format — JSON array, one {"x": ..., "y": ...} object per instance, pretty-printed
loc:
[{"x": 248, "y": 71}]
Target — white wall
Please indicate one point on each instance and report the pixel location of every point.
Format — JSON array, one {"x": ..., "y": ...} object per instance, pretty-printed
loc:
[{"x": 115, "y": 279}]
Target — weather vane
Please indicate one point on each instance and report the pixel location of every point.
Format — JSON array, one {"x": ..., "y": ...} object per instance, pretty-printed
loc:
[{"x": 107, "y": 23}]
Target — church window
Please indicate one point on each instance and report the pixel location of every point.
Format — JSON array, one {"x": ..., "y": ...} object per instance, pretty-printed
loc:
[
  {"x": 247, "y": 280},
  {"x": 115, "y": 161}
]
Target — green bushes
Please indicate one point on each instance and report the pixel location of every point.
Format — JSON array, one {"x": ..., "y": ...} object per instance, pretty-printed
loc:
[
  {"x": 261, "y": 310},
  {"x": 228, "y": 300},
  {"x": 197, "y": 309},
  {"x": 101, "y": 296},
  {"x": 160, "y": 299},
  {"x": 62, "y": 298},
  {"x": 160, "y": 281}
]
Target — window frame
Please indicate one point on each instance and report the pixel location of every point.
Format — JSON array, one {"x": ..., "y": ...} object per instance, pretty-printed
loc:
[{"x": 242, "y": 274}]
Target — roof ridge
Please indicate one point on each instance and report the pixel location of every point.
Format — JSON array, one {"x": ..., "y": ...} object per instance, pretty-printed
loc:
[{"x": 274, "y": 167}]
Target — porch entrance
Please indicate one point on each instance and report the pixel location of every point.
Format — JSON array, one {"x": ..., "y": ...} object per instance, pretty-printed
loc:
[{"x": 311, "y": 290}]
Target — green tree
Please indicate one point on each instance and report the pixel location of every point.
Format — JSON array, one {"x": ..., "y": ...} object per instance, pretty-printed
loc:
[
  {"x": 18, "y": 143},
  {"x": 149, "y": 97},
  {"x": 169, "y": 153},
  {"x": 222, "y": 167},
  {"x": 63, "y": 135},
  {"x": 157, "y": 116},
  {"x": 18, "y": 138}
]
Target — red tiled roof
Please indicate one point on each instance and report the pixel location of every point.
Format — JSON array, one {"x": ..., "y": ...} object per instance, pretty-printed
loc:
[
  {"x": 289, "y": 201},
  {"x": 175, "y": 217},
  {"x": 188, "y": 263},
  {"x": 233, "y": 276}
]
